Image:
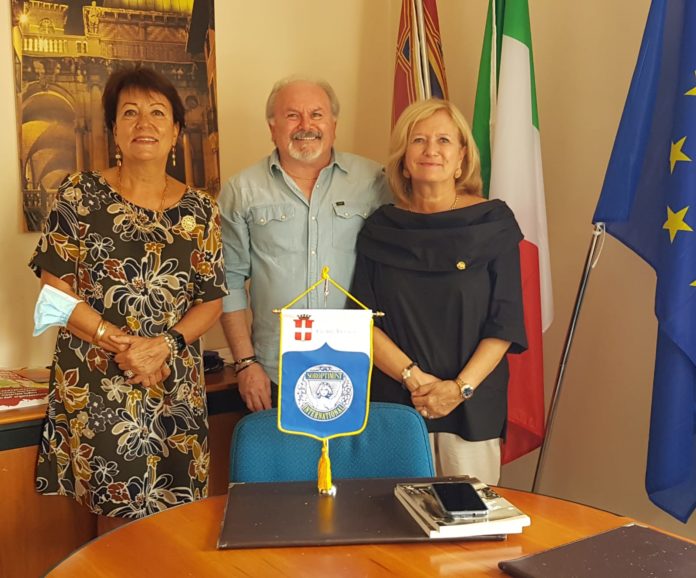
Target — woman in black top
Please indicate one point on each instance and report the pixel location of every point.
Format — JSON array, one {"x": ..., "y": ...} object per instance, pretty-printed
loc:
[{"x": 443, "y": 265}]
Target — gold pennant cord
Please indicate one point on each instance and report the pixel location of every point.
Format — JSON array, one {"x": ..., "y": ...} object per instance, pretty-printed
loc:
[{"x": 325, "y": 277}]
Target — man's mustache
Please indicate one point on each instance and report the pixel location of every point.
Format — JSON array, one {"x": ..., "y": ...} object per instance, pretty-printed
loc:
[{"x": 306, "y": 135}]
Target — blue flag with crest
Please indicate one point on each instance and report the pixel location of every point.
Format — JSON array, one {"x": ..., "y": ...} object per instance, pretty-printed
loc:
[{"x": 647, "y": 203}]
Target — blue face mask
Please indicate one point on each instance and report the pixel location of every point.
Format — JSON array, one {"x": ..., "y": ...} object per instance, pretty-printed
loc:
[{"x": 53, "y": 307}]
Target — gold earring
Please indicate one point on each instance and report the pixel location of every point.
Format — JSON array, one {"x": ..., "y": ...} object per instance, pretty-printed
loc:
[
  {"x": 118, "y": 156},
  {"x": 173, "y": 155},
  {"x": 458, "y": 173},
  {"x": 406, "y": 174}
]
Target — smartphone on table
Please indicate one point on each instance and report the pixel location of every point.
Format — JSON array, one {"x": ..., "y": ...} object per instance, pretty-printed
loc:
[{"x": 459, "y": 500}]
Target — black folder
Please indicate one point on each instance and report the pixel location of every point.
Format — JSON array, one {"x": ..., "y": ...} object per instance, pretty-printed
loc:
[
  {"x": 630, "y": 551},
  {"x": 261, "y": 515}
]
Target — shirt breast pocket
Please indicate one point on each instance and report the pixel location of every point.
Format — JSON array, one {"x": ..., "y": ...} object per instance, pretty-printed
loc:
[
  {"x": 348, "y": 218},
  {"x": 275, "y": 229}
]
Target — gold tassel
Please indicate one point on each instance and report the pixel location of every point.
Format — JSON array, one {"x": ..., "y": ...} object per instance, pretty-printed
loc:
[{"x": 324, "y": 483}]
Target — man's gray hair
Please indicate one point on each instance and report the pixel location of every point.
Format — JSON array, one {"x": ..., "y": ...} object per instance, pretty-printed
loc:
[{"x": 288, "y": 80}]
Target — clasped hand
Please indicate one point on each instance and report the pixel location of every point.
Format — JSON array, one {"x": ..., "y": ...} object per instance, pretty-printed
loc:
[
  {"x": 431, "y": 396},
  {"x": 143, "y": 357}
]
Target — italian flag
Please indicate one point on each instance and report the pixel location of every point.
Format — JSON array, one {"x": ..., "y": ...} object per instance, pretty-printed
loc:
[{"x": 506, "y": 129}]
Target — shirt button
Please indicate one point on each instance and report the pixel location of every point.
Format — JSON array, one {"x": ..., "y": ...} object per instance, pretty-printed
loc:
[
  {"x": 314, "y": 252},
  {"x": 314, "y": 218},
  {"x": 262, "y": 221},
  {"x": 461, "y": 265},
  {"x": 345, "y": 214},
  {"x": 282, "y": 217}
]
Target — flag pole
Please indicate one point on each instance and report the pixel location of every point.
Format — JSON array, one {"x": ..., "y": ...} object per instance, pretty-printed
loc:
[
  {"x": 424, "y": 76},
  {"x": 590, "y": 262}
]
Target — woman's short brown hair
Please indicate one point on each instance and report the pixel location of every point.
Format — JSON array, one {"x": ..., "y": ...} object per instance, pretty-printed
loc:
[
  {"x": 140, "y": 78},
  {"x": 470, "y": 179}
]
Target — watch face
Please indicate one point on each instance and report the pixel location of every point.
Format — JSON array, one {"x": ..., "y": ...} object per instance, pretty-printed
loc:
[{"x": 467, "y": 391}]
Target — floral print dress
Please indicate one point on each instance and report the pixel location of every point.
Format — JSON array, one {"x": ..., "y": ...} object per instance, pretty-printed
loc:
[{"x": 120, "y": 449}]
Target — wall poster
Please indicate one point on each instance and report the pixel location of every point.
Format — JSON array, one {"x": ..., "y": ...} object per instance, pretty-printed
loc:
[{"x": 64, "y": 52}]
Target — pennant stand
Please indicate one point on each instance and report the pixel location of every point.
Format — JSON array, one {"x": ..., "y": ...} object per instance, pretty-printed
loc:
[{"x": 325, "y": 367}]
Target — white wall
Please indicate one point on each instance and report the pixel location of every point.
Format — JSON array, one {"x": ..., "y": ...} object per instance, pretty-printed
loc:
[{"x": 584, "y": 56}]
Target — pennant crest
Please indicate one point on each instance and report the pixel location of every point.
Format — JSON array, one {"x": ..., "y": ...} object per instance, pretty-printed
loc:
[{"x": 303, "y": 328}]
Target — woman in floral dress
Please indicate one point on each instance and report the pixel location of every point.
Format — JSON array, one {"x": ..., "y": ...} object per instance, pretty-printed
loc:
[{"x": 126, "y": 432}]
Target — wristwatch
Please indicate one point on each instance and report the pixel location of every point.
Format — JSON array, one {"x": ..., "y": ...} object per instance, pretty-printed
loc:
[
  {"x": 406, "y": 371},
  {"x": 179, "y": 340},
  {"x": 466, "y": 390}
]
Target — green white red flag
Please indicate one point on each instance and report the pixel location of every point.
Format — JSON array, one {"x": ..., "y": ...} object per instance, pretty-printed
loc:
[{"x": 506, "y": 130}]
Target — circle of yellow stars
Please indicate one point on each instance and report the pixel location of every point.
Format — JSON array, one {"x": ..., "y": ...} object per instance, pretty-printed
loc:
[{"x": 676, "y": 220}]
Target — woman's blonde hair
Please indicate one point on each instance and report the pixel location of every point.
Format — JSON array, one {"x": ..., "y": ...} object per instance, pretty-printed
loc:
[{"x": 470, "y": 179}]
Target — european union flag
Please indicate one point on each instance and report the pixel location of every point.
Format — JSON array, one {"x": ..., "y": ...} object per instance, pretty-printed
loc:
[{"x": 647, "y": 204}]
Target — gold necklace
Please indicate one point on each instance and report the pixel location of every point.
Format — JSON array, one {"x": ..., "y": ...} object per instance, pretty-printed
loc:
[
  {"x": 454, "y": 203},
  {"x": 452, "y": 206},
  {"x": 164, "y": 192}
]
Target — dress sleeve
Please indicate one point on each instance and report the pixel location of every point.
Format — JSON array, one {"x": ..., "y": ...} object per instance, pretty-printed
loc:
[
  {"x": 208, "y": 261},
  {"x": 58, "y": 249},
  {"x": 506, "y": 312}
]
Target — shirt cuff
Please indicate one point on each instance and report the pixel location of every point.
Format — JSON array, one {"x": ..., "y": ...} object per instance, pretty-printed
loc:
[{"x": 236, "y": 300}]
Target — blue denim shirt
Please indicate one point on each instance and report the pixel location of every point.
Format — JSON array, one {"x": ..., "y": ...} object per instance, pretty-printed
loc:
[{"x": 281, "y": 241}]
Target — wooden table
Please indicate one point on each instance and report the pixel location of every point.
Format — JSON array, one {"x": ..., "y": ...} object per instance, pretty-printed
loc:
[
  {"x": 181, "y": 542},
  {"x": 36, "y": 530}
]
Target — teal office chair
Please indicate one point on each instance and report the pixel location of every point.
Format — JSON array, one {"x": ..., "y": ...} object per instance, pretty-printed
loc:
[{"x": 394, "y": 444}]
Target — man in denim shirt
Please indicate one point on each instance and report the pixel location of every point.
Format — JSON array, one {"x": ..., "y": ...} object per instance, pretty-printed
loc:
[{"x": 284, "y": 219}]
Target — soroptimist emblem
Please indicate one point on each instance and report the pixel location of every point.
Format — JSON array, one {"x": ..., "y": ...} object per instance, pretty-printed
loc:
[{"x": 324, "y": 392}]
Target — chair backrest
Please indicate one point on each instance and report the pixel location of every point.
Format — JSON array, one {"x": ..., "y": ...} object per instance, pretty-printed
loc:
[{"x": 395, "y": 443}]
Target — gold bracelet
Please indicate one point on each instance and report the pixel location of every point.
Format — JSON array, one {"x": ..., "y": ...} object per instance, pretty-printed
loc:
[{"x": 99, "y": 333}]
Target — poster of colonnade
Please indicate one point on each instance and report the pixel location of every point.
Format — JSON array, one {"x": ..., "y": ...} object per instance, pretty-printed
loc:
[{"x": 63, "y": 53}]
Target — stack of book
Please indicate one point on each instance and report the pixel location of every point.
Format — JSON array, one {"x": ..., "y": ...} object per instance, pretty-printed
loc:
[
  {"x": 22, "y": 388},
  {"x": 502, "y": 518}
]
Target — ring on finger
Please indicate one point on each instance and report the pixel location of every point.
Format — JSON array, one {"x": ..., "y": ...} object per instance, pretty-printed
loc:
[
  {"x": 424, "y": 412},
  {"x": 129, "y": 373}
]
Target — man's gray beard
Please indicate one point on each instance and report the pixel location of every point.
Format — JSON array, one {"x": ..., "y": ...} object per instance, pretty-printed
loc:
[{"x": 304, "y": 155}]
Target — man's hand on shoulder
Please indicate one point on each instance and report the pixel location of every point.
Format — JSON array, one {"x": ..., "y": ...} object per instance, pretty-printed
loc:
[{"x": 255, "y": 387}]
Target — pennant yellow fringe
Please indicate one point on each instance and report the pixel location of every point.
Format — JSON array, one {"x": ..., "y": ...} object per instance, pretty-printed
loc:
[{"x": 324, "y": 482}]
